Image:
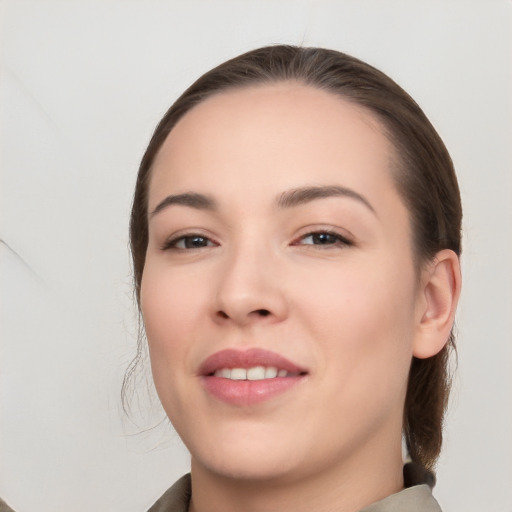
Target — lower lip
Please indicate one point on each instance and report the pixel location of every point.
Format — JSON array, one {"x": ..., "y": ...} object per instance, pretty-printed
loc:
[{"x": 248, "y": 392}]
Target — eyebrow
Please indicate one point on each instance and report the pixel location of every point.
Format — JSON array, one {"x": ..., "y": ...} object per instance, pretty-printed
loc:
[
  {"x": 190, "y": 199},
  {"x": 300, "y": 196},
  {"x": 289, "y": 199}
]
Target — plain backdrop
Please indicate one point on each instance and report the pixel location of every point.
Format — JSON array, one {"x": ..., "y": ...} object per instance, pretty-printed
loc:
[{"x": 82, "y": 86}]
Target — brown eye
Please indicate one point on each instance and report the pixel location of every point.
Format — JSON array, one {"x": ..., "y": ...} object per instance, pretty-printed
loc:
[
  {"x": 189, "y": 242},
  {"x": 324, "y": 238}
]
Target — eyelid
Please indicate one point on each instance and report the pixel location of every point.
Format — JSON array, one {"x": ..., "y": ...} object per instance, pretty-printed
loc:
[
  {"x": 343, "y": 240},
  {"x": 171, "y": 242}
]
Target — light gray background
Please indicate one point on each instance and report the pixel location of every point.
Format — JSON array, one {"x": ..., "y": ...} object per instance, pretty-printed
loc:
[{"x": 82, "y": 86}]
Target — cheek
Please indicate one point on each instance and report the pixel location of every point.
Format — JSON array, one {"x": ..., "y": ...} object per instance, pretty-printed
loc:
[
  {"x": 170, "y": 308},
  {"x": 169, "y": 301},
  {"x": 363, "y": 319}
]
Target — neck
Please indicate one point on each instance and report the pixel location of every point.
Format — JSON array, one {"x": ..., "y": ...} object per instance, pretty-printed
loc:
[{"x": 346, "y": 487}]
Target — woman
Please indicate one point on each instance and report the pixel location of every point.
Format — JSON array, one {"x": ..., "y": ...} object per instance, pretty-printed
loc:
[{"x": 296, "y": 237}]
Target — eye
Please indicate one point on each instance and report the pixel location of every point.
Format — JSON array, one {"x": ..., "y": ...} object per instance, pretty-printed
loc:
[
  {"x": 323, "y": 238},
  {"x": 192, "y": 241}
]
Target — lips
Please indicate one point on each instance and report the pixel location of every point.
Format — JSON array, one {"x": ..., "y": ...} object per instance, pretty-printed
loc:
[
  {"x": 248, "y": 377},
  {"x": 247, "y": 359}
]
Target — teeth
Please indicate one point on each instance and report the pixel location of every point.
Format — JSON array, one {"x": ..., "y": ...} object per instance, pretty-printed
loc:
[
  {"x": 254, "y": 373},
  {"x": 270, "y": 372},
  {"x": 238, "y": 374}
]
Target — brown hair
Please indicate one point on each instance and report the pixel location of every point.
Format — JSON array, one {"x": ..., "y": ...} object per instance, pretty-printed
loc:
[{"x": 425, "y": 179}]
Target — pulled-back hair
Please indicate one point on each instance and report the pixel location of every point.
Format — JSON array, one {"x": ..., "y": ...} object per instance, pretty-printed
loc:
[{"x": 424, "y": 176}]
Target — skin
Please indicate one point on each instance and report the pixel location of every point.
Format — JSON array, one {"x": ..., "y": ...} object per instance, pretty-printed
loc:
[{"x": 353, "y": 314}]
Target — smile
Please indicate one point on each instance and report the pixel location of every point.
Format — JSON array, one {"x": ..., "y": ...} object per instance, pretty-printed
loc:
[
  {"x": 246, "y": 378},
  {"x": 254, "y": 373}
]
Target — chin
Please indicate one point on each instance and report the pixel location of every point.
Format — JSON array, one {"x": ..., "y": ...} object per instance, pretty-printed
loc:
[
  {"x": 246, "y": 457},
  {"x": 247, "y": 467}
]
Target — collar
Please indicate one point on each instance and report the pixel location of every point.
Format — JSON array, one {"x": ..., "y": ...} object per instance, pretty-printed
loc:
[{"x": 416, "y": 497}]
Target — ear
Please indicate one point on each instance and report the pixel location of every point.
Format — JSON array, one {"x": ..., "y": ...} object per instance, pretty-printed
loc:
[{"x": 439, "y": 295}]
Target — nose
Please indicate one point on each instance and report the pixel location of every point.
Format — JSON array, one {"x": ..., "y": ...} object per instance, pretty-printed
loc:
[{"x": 250, "y": 288}]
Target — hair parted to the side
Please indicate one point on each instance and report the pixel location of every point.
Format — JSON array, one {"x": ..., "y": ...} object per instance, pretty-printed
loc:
[{"x": 424, "y": 176}]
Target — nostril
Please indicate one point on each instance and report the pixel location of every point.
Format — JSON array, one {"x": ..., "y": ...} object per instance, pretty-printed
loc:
[{"x": 254, "y": 313}]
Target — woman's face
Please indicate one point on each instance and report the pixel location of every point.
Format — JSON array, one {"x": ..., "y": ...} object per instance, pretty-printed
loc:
[{"x": 278, "y": 244}]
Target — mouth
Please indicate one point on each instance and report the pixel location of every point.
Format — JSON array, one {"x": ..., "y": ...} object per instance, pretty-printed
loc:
[
  {"x": 254, "y": 373},
  {"x": 248, "y": 377}
]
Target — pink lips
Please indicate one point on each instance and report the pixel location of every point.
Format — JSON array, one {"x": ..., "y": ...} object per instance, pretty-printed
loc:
[{"x": 248, "y": 392}]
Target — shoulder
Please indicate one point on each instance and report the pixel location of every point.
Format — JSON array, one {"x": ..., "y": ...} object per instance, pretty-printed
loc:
[
  {"x": 176, "y": 498},
  {"x": 416, "y": 497},
  {"x": 4, "y": 507}
]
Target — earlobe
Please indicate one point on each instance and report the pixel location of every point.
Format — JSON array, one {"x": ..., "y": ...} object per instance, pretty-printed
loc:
[{"x": 440, "y": 291}]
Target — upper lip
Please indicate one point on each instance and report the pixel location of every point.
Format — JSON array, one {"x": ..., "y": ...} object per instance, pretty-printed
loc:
[{"x": 231, "y": 358}]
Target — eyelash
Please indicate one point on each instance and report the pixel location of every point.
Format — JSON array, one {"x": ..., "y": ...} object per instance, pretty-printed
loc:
[
  {"x": 172, "y": 244},
  {"x": 339, "y": 240}
]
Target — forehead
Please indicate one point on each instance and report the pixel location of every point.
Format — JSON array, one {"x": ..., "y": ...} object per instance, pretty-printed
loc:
[{"x": 287, "y": 134}]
